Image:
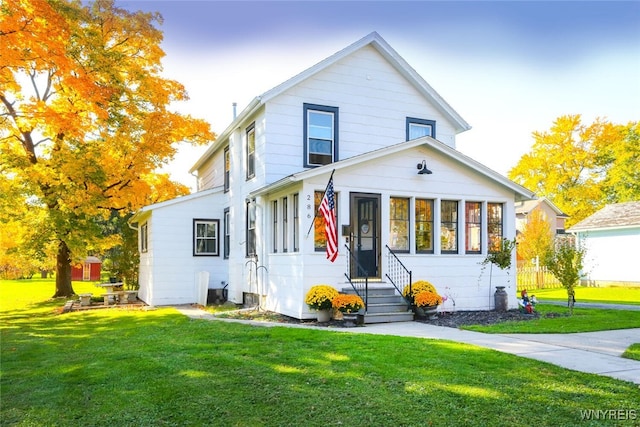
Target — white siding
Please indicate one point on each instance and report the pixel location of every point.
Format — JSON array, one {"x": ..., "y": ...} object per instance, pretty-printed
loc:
[
  {"x": 373, "y": 100},
  {"x": 612, "y": 255},
  {"x": 169, "y": 269}
]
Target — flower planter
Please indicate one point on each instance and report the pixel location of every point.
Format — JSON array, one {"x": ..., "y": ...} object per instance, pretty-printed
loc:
[
  {"x": 428, "y": 312},
  {"x": 324, "y": 316},
  {"x": 350, "y": 319}
]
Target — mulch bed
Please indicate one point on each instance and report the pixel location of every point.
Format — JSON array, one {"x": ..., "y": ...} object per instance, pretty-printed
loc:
[{"x": 451, "y": 320}]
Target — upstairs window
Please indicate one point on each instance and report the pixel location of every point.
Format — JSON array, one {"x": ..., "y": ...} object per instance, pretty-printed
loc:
[
  {"x": 251, "y": 151},
  {"x": 320, "y": 135},
  {"x": 417, "y": 128},
  {"x": 205, "y": 237}
]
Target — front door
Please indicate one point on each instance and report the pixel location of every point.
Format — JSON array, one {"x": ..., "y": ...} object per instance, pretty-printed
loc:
[{"x": 365, "y": 234}]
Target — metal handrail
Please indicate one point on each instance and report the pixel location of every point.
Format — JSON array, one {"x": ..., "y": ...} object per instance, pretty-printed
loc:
[
  {"x": 401, "y": 275},
  {"x": 361, "y": 291}
]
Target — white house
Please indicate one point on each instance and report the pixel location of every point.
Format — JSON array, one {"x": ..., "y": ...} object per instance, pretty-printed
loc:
[
  {"x": 403, "y": 193},
  {"x": 611, "y": 237}
]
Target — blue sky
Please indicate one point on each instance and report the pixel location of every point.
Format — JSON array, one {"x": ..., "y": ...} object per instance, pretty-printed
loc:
[{"x": 507, "y": 67}]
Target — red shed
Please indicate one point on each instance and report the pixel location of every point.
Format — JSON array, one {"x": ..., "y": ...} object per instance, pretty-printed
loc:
[{"x": 89, "y": 270}]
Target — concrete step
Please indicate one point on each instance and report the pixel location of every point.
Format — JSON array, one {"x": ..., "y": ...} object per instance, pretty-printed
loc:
[
  {"x": 373, "y": 290},
  {"x": 370, "y": 318},
  {"x": 395, "y": 307}
]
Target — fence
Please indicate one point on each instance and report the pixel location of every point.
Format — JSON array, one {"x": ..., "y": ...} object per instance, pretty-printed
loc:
[{"x": 531, "y": 276}]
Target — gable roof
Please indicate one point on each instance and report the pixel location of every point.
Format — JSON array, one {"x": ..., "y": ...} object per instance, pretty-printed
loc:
[
  {"x": 373, "y": 39},
  {"x": 182, "y": 199},
  {"x": 520, "y": 192},
  {"x": 527, "y": 206},
  {"x": 617, "y": 215}
]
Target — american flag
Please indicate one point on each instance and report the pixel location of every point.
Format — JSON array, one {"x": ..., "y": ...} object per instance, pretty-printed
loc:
[{"x": 327, "y": 208}]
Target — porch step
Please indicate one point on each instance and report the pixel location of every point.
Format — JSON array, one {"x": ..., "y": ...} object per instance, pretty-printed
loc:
[{"x": 385, "y": 305}]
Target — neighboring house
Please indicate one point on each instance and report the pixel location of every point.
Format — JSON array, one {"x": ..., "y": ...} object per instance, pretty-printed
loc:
[
  {"x": 550, "y": 212},
  {"x": 611, "y": 238},
  {"x": 89, "y": 270},
  {"x": 366, "y": 116}
]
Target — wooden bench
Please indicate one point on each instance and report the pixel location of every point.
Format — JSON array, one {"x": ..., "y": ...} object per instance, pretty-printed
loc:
[{"x": 85, "y": 299}]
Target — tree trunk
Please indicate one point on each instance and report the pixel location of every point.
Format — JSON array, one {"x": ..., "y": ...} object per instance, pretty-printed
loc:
[{"x": 63, "y": 272}]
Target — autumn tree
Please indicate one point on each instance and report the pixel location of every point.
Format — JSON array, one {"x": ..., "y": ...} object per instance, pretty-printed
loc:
[
  {"x": 536, "y": 237},
  {"x": 581, "y": 168},
  {"x": 85, "y": 118},
  {"x": 565, "y": 261}
]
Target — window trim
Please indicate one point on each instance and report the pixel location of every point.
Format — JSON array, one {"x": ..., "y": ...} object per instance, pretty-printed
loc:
[
  {"x": 323, "y": 109},
  {"x": 216, "y": 223},
  {"x": 423, "y": 122},
  {"x": 250, "y": 155}
]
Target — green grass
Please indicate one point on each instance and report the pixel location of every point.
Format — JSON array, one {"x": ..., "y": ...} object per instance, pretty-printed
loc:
[
  {"x": 633, "y": 352},
  {"x": 555, "y": 319},
  {"x": 610, "y": 294},
  {"x": 116, "y": 367}
]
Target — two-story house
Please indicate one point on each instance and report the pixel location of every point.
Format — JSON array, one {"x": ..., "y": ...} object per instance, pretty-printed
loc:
[{"x": 402, "y": 192}]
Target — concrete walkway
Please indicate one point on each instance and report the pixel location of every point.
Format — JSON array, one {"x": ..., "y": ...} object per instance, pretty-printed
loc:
[{"x": 591, "y": 352}]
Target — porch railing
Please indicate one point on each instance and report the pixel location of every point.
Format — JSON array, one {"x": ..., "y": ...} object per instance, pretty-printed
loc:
[
  {"x": 361, "y": 284},
  {"x": 397, "y": 273}
]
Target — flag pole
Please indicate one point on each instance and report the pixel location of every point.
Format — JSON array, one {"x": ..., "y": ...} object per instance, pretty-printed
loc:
[{"x": 315, "y": 211}]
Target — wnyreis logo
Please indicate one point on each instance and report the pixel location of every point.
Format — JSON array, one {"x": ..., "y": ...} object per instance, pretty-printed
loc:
[{"x": 608, "y": 414}]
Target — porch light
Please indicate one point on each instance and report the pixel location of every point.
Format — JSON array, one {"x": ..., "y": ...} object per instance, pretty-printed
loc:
[{"x": 422, "y": 168}]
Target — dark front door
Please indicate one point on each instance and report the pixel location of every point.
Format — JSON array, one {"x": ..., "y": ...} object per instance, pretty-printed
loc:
[{"x": 365, "y": 238}]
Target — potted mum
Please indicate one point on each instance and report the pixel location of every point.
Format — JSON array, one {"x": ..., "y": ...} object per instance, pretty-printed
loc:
[
  {"x": 320, "y": 298},
  {"x": 409, "y": 293},
  {"x": 348, "y": 305},
  {"x": 428, "y": 302}
]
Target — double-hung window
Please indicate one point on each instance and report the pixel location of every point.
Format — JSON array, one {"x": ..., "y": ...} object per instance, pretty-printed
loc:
[
  {"x": 417, "y": 128},
  {"x": 296, "y": 222},
  {"x": 274, "y": 214},
  {"x": 285, "y": 224},
  {"x": 473, "y": 227},
  {"x": 424, "y": 226},
  {"x": 399, "y": 224},
  {"x": 320, "y": 135},
  {"x": 494, "y": 226},
  {"x": 144, "y": 237},
  {"x": 227, "y": 168},
  {"x": 449, "y": 227},
  {"x": 205, "y": 237},
  {"x": 251, "y": 229},
  {"x": 251, "y": 151},
  {"x": 227, "y": 233}
]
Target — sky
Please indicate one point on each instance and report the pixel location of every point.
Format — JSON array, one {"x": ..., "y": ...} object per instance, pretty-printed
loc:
[{"x": 509, "y": 68}]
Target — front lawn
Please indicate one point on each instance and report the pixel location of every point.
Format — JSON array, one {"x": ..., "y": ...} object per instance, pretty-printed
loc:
[
  {"x": 116, "y": 367},
  {"x": 554, "y": 319},
  {"x": 609, "y": 294}
]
